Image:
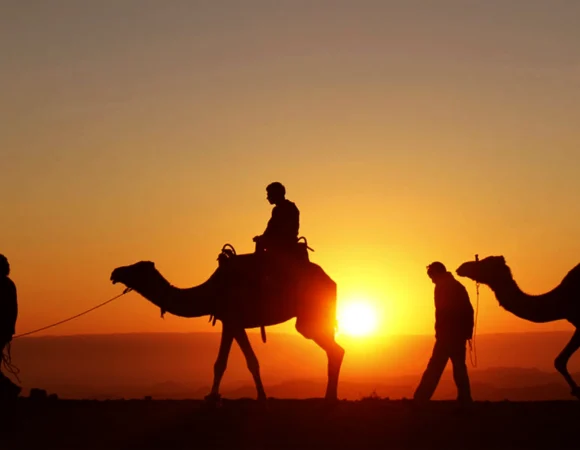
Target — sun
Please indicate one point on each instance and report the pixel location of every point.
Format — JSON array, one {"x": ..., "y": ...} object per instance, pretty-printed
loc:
[{"x": 357, "y": 318}]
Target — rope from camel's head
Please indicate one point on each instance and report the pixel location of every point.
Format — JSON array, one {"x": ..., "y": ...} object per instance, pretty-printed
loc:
[{"x": 472, "y": 350}]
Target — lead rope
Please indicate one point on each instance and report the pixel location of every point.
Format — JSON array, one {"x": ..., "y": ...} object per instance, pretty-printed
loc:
[
  {"x": 6, "y": 362},
  {"x": 6, "y": 356},
  {"x": 472, "y": 350},
  {"x": 73, "y": 317}
]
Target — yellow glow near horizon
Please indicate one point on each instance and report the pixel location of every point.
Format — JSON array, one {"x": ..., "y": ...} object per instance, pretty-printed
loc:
[{"x": 357, "y": 318}]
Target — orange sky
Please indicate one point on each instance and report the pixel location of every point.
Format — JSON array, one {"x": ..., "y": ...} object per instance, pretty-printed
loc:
[{"x": 404, "y": 133}]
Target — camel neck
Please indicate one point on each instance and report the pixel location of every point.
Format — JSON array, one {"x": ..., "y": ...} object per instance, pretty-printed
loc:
[
  {"x": 191, "y": 302},
  {"x": 535, "y": 308}
]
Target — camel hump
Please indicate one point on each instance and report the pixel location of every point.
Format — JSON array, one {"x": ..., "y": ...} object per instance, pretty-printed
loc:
[{"x": 572, "y": 278}]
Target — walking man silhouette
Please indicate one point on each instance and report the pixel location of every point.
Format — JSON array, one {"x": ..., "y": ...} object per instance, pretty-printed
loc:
[
  {"x": 454, "y": 323},
  {"x": 8, "y": 316}
]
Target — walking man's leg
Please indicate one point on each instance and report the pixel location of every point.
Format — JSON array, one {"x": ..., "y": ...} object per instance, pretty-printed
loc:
[
  {"x": 433, "y": 372},
  {"x": 460, "y": 375}
]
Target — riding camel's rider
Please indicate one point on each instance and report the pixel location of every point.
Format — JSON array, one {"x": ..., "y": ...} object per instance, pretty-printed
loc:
[
  {"x": 8, "y": 316},
  {"x": 277, "y": 246},
  {"x": 281, "y": 234}
]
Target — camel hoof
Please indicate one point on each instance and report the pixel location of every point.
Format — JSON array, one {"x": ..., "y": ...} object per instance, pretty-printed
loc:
[
  {"x": 331, "y": 401},
  {"x": 213, "y": 400},
  {"x": 262, "y": 403},
  {"x": 331, "y": 405},
  {"x": 576, "y": 392}
]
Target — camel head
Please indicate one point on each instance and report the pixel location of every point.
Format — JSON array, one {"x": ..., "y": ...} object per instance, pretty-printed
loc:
[
  {"x": 136, "y": 276},
  {"x": 484, "y": 271}
]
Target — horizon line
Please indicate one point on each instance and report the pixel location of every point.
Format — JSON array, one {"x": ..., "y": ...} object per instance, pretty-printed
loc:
[{"x": 252, "y": 331}]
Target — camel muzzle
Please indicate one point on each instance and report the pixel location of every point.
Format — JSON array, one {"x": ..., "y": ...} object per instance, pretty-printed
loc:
[{"x": 115, "y": 277}]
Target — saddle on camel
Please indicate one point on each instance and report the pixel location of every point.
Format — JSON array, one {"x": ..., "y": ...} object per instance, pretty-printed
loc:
[{"x": 276, "y": 273}]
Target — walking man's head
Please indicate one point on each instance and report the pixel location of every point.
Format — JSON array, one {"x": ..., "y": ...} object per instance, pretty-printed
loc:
[
  {"x": 435, "y": 270},
  {"x": 4, "y": 266}
]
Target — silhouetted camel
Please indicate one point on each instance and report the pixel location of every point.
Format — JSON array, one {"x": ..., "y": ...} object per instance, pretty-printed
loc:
[
  {"x": 238, "y": 297},
  {"x": 562, "y": 302}
]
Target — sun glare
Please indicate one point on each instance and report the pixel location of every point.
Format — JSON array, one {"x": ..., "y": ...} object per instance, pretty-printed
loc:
[{"x": 357, "y": 318}]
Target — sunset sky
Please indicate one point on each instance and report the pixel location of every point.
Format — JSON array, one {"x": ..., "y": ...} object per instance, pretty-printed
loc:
[{"x": 405, "y": 131}]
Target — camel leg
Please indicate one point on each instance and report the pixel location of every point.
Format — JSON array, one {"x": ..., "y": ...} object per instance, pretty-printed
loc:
[
  {"x": 251, "y": 360},
  {"x": 561, "y": 362},
  {"x": 221, "y": 363},
  {"x": 335, "y": 354}
]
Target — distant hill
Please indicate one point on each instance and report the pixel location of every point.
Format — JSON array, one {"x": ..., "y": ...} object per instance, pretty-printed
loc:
[{"x": 180, "y": 365}]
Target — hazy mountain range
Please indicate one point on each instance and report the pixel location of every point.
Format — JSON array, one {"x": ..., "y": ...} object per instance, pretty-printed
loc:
[{"x": 175, "y": 365}]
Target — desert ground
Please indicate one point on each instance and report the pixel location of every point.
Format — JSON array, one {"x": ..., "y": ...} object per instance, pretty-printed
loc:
[
  {"x": 520, "y": 401},
  {"x": 288, "y": 424}
]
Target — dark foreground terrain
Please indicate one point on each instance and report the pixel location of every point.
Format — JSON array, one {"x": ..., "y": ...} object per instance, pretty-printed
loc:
[{"x": 289, "y": 424}]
